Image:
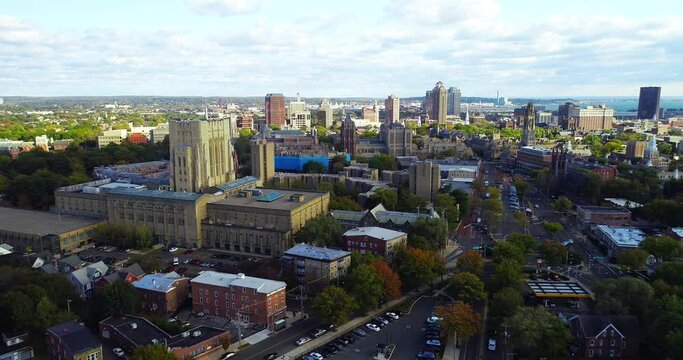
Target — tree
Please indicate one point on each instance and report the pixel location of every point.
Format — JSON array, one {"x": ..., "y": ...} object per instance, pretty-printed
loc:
[
  {"x": 553, "y": 228},
  {"x": 527, "y": 243},
  {"x": 671, "y": 273},
  {"x": 625, "y": 295},
  {"x": 563, "y": 204},
  {"x": 153, "y": 352},
  {"x": 313, "y": 167},
  {"x": 121, "y": 298},
  {"x": 661, "y": 247},
  {"x": 344, "y": 203},
  {"x": 149, "y": 264},
  {"x": 460, "y": 318},
  {"x": 471, "y": 262},
  {"x": 522, "y": 220},
  {"x": 553, "y": 252},
  {"x": 446, "y": 204},
  {"x": 417, "y": 266},
  {"x": 506, "y": 302},
  {"x": 538, "y": 333},
  {"x": 386, "y": 197},
  {"x": 478, "y": 186},
  {"x": 383, "y": 162},
  {"x": 409, "y": 202},
  {"x": 521, "y": 185},
  {"x": 334, "y": 305},
  {"x": 462, "y": 198},
  {"x": 633, "y": 259},
  {"x": 467, "y": 287},
  {"x": 493, "y": 212},
  {"x": 507, "y": 274},
  {"x": 16, "y": 311},
  {"x": 365, "y": 286},
  {"x": 391, "y": 282},
  {"x": 664, "y": 147},
  {"x": 505, "y": 250},
  {"x": 323, "y": 231},
  {"x": 433, "y": 230},
  {"x": 47, "y": 314}
]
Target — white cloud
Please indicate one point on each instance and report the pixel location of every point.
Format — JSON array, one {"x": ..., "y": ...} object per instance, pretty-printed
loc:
[{"x": 224, "y": 7}]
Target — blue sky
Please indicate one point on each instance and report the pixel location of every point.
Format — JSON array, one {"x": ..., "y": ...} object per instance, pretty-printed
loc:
[{"x": 339, "y": 48}]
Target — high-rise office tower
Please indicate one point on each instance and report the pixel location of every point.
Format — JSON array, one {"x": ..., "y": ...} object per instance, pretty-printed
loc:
[
  {"x": 424, "y": 179},
  {"x": 275, "y": 109},
  {"x": 439, "y": 103},
  {"x": 263, "y": 160},
  {"x": 564, "y": 119},
  {"x": 349, "y": 135},
  {"x": 392, "y": 106},
  {"x": 429, "y": 103},
  {"x": 453, "y": 101},
  {"x": 325, "y": 114},
  {"x": 648, "y": 102},
  {"x": 529, "y": 132},
  {"x": 201, "y": 154}
]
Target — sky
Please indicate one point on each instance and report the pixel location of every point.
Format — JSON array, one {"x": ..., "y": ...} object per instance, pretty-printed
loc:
[{"x": 339, "y": 48}]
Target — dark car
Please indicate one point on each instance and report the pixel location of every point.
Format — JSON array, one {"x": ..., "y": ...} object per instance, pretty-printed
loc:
[
  {"x": 343, "y": 340},
  {"x": 337, "y": 345},
  {"x": 270, "y": 356},
  {"x": 377, "y": 322},
  {"x": 350, "y": 338},
  {"x": 330, "y": 349}
]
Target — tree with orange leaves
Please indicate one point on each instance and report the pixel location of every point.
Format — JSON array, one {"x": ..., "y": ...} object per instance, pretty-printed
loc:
[
  {"x": 459, "y": 317},
  {"x": 471, "y": 262},
  {"x": 391, "y": 283}
]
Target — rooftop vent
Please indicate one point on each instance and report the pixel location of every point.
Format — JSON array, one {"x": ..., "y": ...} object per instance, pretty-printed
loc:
[
  {"x": 240, "y": 276},
  {"x": 296, "y": 198},
  {"x": 197, "y": 333},
  {"x": 133, "y": 326}
]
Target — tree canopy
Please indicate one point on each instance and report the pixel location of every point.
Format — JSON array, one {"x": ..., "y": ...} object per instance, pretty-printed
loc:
[
  {"x": 467, "y": 287},
  {"x": 538, "y": 333},
  {"x": 322, "y": 231},
  {"x": 471, "y": 262},
  {"x": 152, "y": 352},
  {"x": 334, "y": 305}
]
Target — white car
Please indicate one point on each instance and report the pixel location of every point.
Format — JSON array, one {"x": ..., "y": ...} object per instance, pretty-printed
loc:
[
  {"x": 228, "y": 355},
  {"x": 173, "y": 249},
  {"x": 118, "y": 352},
  {"x": 372, "y": 327},
  {"x": 302, "y": 340},
  {"x": 392, "y": 315},
  {"x": 492, "y": 344},
  {"x": 316, "y": 356},
  {"x": 433, "y": 342},
  {"x": 433, "y": 319}
]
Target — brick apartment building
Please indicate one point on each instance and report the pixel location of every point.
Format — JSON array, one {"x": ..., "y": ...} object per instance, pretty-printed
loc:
[
  {"x": 162, "y": 294},
  {"x": 605, "y": 337},
  {"x": 130, "y": 332},
  {"x": 72, "y": 341},
  {"x": 374, "y": 240},
  {"x": 257, "y": 301}
]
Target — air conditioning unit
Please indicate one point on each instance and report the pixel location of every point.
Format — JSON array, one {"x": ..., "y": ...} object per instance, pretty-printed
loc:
[
  {"x": 133, "y": 326},
  {"x": 197, "y": 333},
  {"x": 186, "y": 334}
]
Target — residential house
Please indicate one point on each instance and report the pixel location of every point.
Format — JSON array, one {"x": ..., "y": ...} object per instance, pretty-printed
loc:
[
  {"x": 602, "y": 336},
  {"x": 13, "y": 347},
  {"x": 84, "y": 278},
  {"x": 313, "y": 264},
  {"x": 71, "y": 264},
  {"x": 72, "y": 341},
  {"x": 374, "y": 240}
]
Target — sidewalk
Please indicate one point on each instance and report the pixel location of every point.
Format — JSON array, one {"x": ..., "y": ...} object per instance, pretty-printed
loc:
[
  {"x": 350, "y": 325},
  {"x": 450, "y": 351}
]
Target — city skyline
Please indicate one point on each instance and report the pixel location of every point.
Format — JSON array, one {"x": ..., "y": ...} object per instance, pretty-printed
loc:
[{"x": 338, "y": 49}]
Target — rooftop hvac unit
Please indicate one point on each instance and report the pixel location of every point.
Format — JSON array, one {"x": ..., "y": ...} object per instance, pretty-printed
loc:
[
  {"x": 196, "y": 333},
  {"x": 186, "y": 334},
  {"x": 133, "y": 326}
]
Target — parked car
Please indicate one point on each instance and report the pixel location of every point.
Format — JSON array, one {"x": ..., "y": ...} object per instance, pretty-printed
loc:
[
  {"x": 377, "y": 322},
  {"x": 392, "y": 315},
  {"x": 433, "y": 319},
  {"x": 172, "y": 249},
  {"x": 302, "y": 340},
  {"x": 270, "y": 356},
  {"x": 316, "y": 356},
  {"x": 349, "y": 338},
  {"x": 318, "y": 332},
  {"x": 229, "y": 355},
  {"x": 337, "y": 345},
  {"x": 382, "y": 320},
  {"x": 433, "y": 342},
  {"x": 358, "y": 332},
  {"x": 426, "y": 355},
  {"x": 492, "y": 344},
  {"x": 372, "y": 327},
  {"x": 118, "y": 352}
]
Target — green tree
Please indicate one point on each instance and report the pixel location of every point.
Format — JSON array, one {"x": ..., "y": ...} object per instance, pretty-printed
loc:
[
  {"x": 661, "y": 247},
  {"x": 313, "y": 167},
  {"x": 121, "y": 298},
  {"x": 462, "y": 198},
  {"x": 563, "y": 204},
  {"x": 508, "y": 273},
  {"x": 409, "y": 202},
  {"x": 417, "y": 267},
  {"x": 433, "y": 231},
  {"x": 48, "y": 314},
  {"x": 625, "y": 295},
  {"x": 506, "y": 302},
  {"x": 527, "y": 243},
  {"x": 633, "y": 259},
  {"x": 322, "y": 231},
  {"x": 334, "y": 305},
  {"x": 522, "y": 220},
  {"x": 467, "y": 287},
  {"x": 664, "y": 147},
  {"x": 521, "y": 185},
  {"x": 365, "y": 286},
  {"x": 149, "y": 264},
  {"x": 553, "y": 252},
  {"x": 16, "y": 311},
  {"x": 445, "y": 203},
  {"x": 553, "y": 228},
  {"x": 671, "y": 273},
  {"x": 386, "y": 197},
  {"x": 153, "y": 352},
  {"x": 344, "y": 203},
  {"x": 538, "y": 333},
  {"x": 383, "y": 162},
  {"x": 505, "y": 250},
  {"x": 471, "y": 262}
]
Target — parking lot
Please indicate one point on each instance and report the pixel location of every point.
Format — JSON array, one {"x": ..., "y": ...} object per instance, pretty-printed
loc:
[{"x": 408, "y": 333}]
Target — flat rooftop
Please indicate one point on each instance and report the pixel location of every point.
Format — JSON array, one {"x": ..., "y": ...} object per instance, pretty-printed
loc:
[
  {"x": 604, "y": 209},
  {"x": 558, "y": 289},
  {"x": 316, "y": 252},
  {"x": 157, "y": 194},
  {"x": 215, "y": 278},
  {"x": 622, "y": 236},
  {"x": 40, "y": 222},
  {"x": 375, "y": 232},
  {"x": 142, "y": 332},
  {"x": 277, "y": 199}
]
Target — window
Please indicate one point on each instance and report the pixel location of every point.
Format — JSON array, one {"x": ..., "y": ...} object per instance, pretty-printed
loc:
[
  {"x": 590, "y": 353},
  {"x": 244, "y": 290},
  {"x": 246, "y": 298},
  {"x": 612, "y": 342},
  {"x": 611, "y": 353},
  {"x": 601, "y": 343},
  {"x": 592, "y": 342},
  {"x": 232, "y": 297},
  {"x": 201, "y": 300},
  {"x": 215, "y": 293},
  {"x": 611, "y": 333},
  {"x": 201, "y": 291},
  {"x": 215, "y": 302}
]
